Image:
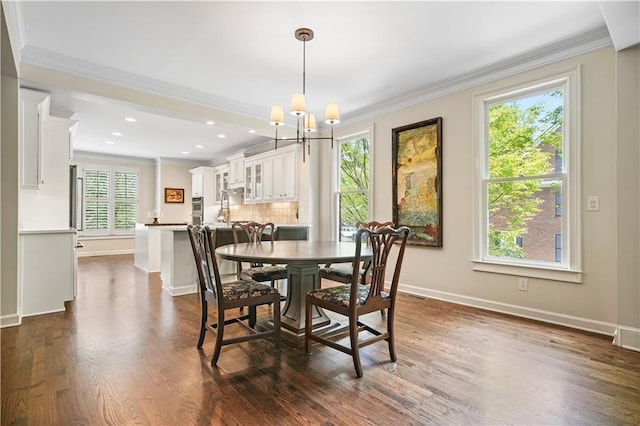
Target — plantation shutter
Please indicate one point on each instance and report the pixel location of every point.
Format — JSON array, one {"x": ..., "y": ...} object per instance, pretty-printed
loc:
[
  {"x": 96, "y": 195},
  {"x": 125, "y": 200}
]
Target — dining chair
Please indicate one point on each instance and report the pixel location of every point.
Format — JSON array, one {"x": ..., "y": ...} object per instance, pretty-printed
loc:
[
  {"x": 229, "y": 295},
  {"x": 344, "y": 274},
  {"x": 255, "y": 232},
  {"x": 355, "y": 299}
]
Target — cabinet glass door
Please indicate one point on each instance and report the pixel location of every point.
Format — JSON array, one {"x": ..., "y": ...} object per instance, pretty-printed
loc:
[
  {"x": 257, "y": 175},
  {"x": 248, "y": 187}
]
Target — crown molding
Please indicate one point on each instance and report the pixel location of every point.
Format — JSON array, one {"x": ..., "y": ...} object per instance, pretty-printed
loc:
[
  {"x": 80, "y": 156},
  {"x": 15, "y": 28},
  {"x": 553, "y": 52},
  {"x": 54, "y": 61}
]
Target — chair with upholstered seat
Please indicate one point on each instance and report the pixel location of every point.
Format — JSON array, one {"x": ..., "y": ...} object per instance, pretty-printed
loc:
[
  {"x": 255, "y": 232},
  {"x": 229, "y": 295},
  {"x": 344, "y": 274},
  {"x": 355, "y": 299}
]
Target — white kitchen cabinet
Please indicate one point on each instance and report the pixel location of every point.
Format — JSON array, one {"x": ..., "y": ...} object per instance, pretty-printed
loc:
[
  {"x": 52, "y": 195},
  {"x": 203, "y": 186},
  {"x": 197, "y": 183},
  {"x": 236, "y": 171},
  {"x": 285, "y": 177},
  {"x": 202, "y": 181},
  {"x": 267, "y": 180},
  {"x": 34, "y": 109},
  {"x": 253, "y": 181},
  {"x": 221, "y": 180},
  {"x": 48, "y": 269}
]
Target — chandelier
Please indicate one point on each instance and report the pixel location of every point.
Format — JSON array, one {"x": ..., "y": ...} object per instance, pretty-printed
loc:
[{"x": 305, "y": 122}]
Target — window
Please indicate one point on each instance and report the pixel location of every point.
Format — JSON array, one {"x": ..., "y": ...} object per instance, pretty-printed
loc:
[
  {"x": 110, "y": 201},
  {"x": 353, "y": 177},
  {"x": 527, "y": 180}
]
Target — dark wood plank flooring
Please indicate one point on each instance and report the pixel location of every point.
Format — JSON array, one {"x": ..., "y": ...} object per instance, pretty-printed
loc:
[{"x": 125, "y": 353}]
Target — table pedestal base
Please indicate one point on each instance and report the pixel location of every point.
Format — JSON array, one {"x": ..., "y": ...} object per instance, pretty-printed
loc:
[{"x": 301, "y": 280}]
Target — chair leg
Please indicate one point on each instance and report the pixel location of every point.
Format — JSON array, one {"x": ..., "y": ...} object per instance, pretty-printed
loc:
[
  {"x": 307, "y": 328},
  {"x": 203, "y": 322},
  {"x": 219, "y": 337},
  {"x": 276, "y": 325},
  {"x": 391, "y": 338},
  {"x": 355, "y": 350},
  {"x": 252, "y": 316}
]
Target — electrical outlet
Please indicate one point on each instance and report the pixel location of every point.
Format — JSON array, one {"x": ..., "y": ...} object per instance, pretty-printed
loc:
[
  {"x": 593, "y": 203},
  {"x": 523, "y": 284}
]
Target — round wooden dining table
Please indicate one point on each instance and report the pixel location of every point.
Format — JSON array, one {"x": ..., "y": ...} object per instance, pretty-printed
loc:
[{"x": 302, "y": 259}]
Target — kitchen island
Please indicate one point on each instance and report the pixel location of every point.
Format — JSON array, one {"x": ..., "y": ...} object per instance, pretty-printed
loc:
[
  {"x": 147, "y": 244},
  {"x": 177, "y": 268},
  {"x": 165, "y": 248}
]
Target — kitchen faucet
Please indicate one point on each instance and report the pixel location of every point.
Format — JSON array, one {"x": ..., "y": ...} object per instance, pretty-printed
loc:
[{"x": 224, "y": 215}]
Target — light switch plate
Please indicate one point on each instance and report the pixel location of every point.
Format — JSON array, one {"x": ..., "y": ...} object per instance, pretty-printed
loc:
[{"x": 593, "y": 203}]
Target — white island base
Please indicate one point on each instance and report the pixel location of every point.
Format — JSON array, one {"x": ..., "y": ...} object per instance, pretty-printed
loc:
[{"x": 178, "y": 271}]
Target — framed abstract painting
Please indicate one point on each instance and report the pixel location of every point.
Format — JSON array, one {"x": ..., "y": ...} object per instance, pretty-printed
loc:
[{"x": 417, "y": 181}]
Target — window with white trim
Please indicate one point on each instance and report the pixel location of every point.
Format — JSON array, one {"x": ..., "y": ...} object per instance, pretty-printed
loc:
[
  {"x": 352, "y": 188},
  {"x": 109, "y": 201},
  {"x": 528, "y": 152}
]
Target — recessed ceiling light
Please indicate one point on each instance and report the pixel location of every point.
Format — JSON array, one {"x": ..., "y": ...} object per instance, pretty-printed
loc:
[
  {"x": 210, "y": 123},
  {"x": 130, "y": 119},
  {"x": 199, "y": 146},
  {"x": 116, "y": 133},
  {"x": 252, "y": 131},
  {"x": 109, "y": 142},
  {"x": 185, "y": 152},
  {"x": 221, "y": 136}
]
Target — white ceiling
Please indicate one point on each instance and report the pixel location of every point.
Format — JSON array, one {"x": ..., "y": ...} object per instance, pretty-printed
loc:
[{"x": 234, "y": 60}]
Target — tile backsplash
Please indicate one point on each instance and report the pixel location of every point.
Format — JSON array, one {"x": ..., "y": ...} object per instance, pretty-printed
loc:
[{"x": 278, "y": 213}]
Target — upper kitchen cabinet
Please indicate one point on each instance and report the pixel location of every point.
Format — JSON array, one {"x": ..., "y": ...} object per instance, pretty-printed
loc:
[
  {"x": 202, "y": 183},
  {"x": 45, "y": 179},
  {"x": 272, "y": 176},
  {"x": 236, "y": 171},
  {"x": 285, "y": 176},
  {"x": 221, "y": 180},
  {"x": 253, "y": 181},
  {"x": 34, "y": 108}
]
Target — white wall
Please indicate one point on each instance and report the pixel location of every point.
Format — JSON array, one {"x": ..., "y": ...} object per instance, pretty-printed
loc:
[{"x": 447, "y": 272}]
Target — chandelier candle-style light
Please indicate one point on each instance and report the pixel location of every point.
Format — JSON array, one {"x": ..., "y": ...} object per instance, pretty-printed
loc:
[{"x": 305, "y": 123}]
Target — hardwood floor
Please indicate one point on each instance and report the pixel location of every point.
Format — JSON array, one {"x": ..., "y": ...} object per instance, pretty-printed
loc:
[{"x": 125, "y": 353}]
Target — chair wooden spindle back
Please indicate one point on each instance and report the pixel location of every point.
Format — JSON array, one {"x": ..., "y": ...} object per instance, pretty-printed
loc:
[
  {"x": 206, "y": 266},
  {"x": 381, "y": 241}
]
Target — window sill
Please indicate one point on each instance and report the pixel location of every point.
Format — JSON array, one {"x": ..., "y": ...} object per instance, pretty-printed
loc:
[{"x": 571, "y": 276}]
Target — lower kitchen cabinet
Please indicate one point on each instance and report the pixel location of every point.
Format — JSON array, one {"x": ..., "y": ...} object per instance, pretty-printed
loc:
[{"x": 48, "y": 269}]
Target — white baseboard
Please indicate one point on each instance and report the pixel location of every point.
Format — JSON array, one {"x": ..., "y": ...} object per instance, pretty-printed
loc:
[
  {"x": 579, "y": 323},
  {"x": 179, "y": 291},
  {"x": 10, "y": 320},
  {"x": 628, "y": 338},
  {"x": 103, "y": 253},
  {"x": 148, "y": 271}
]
